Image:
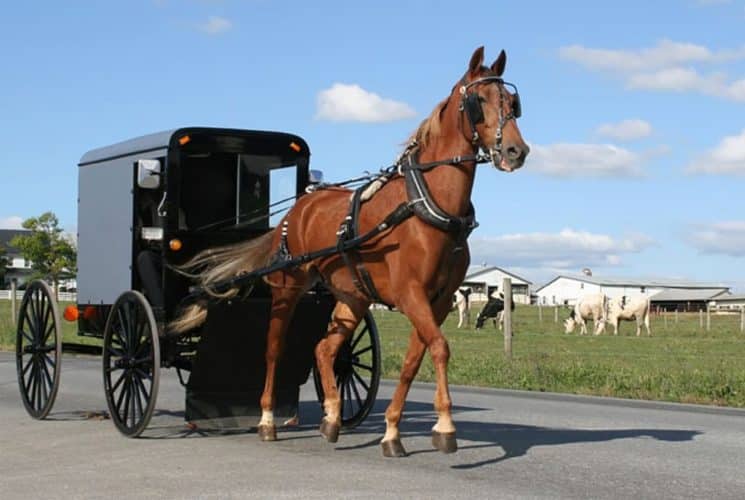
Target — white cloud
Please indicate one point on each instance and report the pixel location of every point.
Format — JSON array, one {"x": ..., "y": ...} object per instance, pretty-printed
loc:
[
  {"x": 215, "y": 25},
  {"x": 351, "y": 103},
  {"x": 689, "y": 80},
  {"x": 569, "y": 249},
  {"x": 626, "y": 130},
  {"x": 726, "y": 237},
  {"x": 728, "y": 157},
  {"x": 584, "y": 160},
  {"x": 12, "y": 222},
  {"x": 668, "y": 66},
  {"x": 665, "y": 54}
]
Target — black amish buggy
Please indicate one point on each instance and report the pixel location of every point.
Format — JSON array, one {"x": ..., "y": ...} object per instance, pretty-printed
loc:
[{"x": 145, "y": 206}]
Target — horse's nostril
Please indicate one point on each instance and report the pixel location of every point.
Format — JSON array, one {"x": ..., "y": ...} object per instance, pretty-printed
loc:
[{"x": 513, "y": 152}]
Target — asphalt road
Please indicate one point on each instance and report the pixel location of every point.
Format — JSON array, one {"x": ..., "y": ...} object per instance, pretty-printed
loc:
[{"x": 512, "y": 445}]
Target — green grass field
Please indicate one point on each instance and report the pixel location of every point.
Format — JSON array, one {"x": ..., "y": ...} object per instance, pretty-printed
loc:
[{"x": 680, "y": 362}]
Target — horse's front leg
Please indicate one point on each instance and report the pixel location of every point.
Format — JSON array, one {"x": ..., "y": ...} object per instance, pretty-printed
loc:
[
  {"x": 426, "y": 321},
  {"x": 391, "y": 442},
  {"x": 345, "y": 319}
]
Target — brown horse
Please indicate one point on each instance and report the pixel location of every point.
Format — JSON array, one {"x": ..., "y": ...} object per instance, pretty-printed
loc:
[{"x": 415, "y": 264}]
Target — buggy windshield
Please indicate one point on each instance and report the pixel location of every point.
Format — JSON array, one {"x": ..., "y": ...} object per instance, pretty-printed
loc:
[{"x": 224, "y": 191}]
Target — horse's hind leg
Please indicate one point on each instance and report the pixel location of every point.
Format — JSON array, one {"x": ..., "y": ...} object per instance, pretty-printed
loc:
[
  {"x": 344, "y": 320},
  {"x": 284, "y": 301}
]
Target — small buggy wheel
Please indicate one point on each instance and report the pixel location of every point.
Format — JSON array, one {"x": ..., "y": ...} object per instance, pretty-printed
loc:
[
  {"x": 38, "y": 349},
  {"x": 357, "y": 370},
  {"x": 131, "y": 363}
]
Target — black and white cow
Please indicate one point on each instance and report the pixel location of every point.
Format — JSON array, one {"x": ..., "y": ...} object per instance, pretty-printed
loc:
[
  {"x": 463, "y": 305},
  {"x": 493, "y": 309}
]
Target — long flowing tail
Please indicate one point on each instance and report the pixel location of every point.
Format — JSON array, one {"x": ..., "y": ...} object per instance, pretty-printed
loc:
[{"x": 216, "y": 264}]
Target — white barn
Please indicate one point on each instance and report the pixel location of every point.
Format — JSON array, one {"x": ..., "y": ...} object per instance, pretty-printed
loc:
[
  {"x": 566, "y": 289},
  {"x": 486, "y": 280}
]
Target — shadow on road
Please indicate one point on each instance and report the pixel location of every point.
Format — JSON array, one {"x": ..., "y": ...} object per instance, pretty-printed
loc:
[{"x": 513, "y": 439}]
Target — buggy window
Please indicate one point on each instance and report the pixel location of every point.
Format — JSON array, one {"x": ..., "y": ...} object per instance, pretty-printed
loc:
[{"x": 223, "y": 191}]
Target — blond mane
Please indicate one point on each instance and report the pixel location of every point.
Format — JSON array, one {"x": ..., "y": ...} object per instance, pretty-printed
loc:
[{"x": 429, "y": 129}]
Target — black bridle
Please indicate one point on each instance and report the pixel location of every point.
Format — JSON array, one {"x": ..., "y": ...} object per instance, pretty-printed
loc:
[{"x": 470, "y": 104}]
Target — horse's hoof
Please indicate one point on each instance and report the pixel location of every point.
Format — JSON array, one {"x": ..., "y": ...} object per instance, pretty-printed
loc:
[
  {"x": 267, "y": 433},
  {"x": 329, "y": 431},
  {"x": 393, "y": 448},
  {"x": 445, "y": 441}
]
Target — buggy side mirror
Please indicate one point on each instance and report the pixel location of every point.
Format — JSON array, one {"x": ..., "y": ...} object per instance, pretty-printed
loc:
[
  {"x": 315, "y": 177},
  {"x": 148, "y": 174}
]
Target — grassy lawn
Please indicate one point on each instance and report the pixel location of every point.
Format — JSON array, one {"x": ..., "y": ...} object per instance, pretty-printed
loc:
[{"x": 680, "y": 362}]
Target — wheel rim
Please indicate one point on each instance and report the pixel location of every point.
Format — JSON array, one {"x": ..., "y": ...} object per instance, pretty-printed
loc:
[
  {"x": 38, "y": 349},
  {"x": 357, "y": 371},
  {"x": 131, "y": 363}
]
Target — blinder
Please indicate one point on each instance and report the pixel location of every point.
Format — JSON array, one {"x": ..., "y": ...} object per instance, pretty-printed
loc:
[
  {"x": 473, "y": 107},
  {"x": 472, "y": 101}
]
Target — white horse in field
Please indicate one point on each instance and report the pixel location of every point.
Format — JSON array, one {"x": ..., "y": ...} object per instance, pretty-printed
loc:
[
  {"x": 636, "y": 308},
  {"x": 592, "y": 306},
  {"x": 463, "y": 305}
]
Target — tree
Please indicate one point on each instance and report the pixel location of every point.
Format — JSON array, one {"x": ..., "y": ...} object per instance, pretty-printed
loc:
[
  {"x": 4, "y": 262},
  {"x": 53, "y": 256}
]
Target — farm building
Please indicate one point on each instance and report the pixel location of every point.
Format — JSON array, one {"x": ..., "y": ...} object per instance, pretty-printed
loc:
[
  {"x": 728, "y": 302},
  {"x": 683, "y": 299},
  {"x": 485, "y": 280},
  {"x": 18, "y": 267},
  {"x": 683, "y": 295}
]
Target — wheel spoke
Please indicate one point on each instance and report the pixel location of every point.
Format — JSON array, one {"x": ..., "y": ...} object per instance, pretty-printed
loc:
[
  {"x": 27, "y": 336},
  {"x": 356, "y": 392},
  {"x": 361, "y": 381},
  {"x": 364, "y": 367},
  {"x": 115, "y": 352},
  {"x": 121, "y": 329},
  {"x": 118, "y": 382},
  {"x": 359, "y": 336},
  {"x": 141, "y": 384},
  {"x": 28, "y": 365},
  {"x": 120, "y": 399},
  {"x": 45, "y": 325},
  {"x": 363, "y": 351}
]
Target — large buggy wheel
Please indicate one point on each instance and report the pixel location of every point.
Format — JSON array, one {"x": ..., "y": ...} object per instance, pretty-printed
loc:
[
  {"x": 38, "y": 349},
  {"x": 131, "y": 363},
  {"x": 357, "y": 370}
]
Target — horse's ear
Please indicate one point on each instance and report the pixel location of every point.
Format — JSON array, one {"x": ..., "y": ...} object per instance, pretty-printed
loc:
[
  {"x": 477, "y": 60},
  {"x": 498, "y": 66}
]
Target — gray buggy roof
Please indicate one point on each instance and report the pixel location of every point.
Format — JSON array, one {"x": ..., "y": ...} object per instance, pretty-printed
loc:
[{"x": 162, "y": 140}]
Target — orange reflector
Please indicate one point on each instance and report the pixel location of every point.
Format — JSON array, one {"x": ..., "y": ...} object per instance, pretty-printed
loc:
[
  {"x": 295, "y": 147},
  {"x": 183, "y": 140},
  {"x": 175, "y": 244},
  {"x": 89, "y": 312},
  {"x": 71, "y": 313}
]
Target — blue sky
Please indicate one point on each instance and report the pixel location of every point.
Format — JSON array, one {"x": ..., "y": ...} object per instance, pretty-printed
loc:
[{"x": 634, "y": 110}]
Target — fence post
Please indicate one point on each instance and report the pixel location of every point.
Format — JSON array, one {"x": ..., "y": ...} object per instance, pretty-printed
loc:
[
  {"x": 701, "y": 319},
  {"x": 742, "y": 319},
  {"x": 13, "y": 286},
  {"x": 556, "y": 314},
  {"x": 664, "y": 315},
  {"x": 708, "y": 317},
  {"x": 507, "y": 290},
  {"x": 676, "y": 315},
  {"x": 540, "y": 313}
]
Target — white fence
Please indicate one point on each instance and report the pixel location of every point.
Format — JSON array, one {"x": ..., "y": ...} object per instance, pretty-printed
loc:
[{"x": 62, "y": 296}]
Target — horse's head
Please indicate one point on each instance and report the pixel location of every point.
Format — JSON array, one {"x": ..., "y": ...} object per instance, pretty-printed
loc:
[{"x": 491, "y": 111}]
